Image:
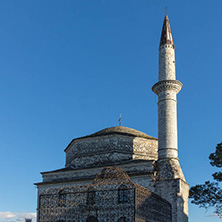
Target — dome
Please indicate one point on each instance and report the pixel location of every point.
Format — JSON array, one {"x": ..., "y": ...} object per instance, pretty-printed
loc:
[{"x": 123, "y": 131}]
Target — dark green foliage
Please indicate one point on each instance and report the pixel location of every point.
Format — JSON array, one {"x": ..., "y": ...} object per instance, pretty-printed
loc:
[
  {"x": 207, "y": 195},
  {"x": 217, "y": 176},
  {"x": 216, "y": 157},
  {"x": 210, "y": 193}
]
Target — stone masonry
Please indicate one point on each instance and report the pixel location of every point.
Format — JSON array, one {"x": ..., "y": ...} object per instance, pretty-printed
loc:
[
  {"x": 170, "y": 181},
  {"x": 110, "y": 197}
]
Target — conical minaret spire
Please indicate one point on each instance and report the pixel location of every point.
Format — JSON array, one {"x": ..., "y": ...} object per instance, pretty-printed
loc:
[
  {"x": 166, "y": 53},
  {"x": 166, "y": 35}
]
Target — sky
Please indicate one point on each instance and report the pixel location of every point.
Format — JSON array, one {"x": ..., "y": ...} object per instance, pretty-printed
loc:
[{"x": 70, "y": 68}]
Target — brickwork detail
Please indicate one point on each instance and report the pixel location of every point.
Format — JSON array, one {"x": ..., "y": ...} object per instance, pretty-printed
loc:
[{"x": 111, "y": 197}]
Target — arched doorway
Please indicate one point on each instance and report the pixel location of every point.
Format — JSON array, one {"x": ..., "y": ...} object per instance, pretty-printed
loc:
[{"x": 92, "y": 219}]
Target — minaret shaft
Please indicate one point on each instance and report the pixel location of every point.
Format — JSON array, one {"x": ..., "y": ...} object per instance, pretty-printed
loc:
[
  {"x": 167, "y": 62},
  {"x": 170, "y": 181},
  {"x": 167, "y": 89},
  {"x": 167, "y": 125}
]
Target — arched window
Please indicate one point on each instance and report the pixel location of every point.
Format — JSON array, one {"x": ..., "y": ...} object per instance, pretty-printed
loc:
[
  {"x": 91, "y": 219},
  {"x": 61, "y": 199},
  {"x": 91, "y": 196},
  {"x": 123, "y": 194},
  {"x": 122, "y": 219}
]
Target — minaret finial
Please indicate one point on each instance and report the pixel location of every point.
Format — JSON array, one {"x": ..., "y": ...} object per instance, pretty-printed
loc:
[
  {"x": 165, "y": 10},
  {"x": 120, "y": 119}
]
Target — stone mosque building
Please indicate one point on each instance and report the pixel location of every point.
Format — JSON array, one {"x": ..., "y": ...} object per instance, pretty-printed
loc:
[{"x": 120, "y": 174}]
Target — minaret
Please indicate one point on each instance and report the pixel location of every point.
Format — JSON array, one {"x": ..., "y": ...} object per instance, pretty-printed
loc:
[
  {"x": 170, "y": 181},
  {"x": 167, "y": 89}
]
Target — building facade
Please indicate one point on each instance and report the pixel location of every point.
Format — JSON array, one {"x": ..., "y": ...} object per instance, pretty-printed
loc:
[
  {"x": 112, "y": 196},
  {"x": 121, "y": 174}
]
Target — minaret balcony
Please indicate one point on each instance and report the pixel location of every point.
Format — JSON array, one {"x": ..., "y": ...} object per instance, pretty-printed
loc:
[{"x": 164, "y": 85}]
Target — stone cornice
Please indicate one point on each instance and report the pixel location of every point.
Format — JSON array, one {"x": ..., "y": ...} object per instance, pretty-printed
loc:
[
  {"x": 88, "y": 178},
  {"x": 163, "y": 85}
]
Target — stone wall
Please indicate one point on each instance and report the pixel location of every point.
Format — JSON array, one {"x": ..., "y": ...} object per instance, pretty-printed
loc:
[
  {"x": 150, "y": 207},
  {"x": 176, "y": 192},
  {"x": 107, "y": 198},
  {"x": 100, "y": 151},
  {"x": 145, "y": 149},
  {"x": 73, "y": 204},
  {"x": 140, "y": 172}
]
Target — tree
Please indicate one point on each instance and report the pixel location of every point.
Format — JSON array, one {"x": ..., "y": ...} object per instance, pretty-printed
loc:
[{"x": 209, "y": 194}]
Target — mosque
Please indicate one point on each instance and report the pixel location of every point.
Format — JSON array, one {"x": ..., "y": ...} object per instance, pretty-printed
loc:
[{"x": 120, "y": 174}]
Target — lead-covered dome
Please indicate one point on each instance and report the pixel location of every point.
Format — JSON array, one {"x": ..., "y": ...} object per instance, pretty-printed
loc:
[
  {"x": 111, "y": 146},
  {"x": 123, "y": 131}
]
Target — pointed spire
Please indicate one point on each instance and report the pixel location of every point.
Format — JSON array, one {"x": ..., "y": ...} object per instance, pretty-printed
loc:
[{"x": 166, "y": 36}]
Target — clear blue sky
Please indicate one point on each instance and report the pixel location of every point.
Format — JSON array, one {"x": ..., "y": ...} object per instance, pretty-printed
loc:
[{"x": 69, "y": 68}]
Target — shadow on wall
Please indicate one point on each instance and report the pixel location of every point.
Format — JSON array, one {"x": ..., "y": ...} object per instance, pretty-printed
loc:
[
  {"x": 150, "y": 210},
  {"x": 170, "y": 185},
  {"x": 149, "y": 207},
  {"x": 180, "y": 203},
  {"x": 125, "y": 204}
]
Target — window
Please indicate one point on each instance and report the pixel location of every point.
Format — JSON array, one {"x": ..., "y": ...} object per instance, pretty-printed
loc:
[
  {"x": 91, "y": 219},
  {"x": 123, "y": 194},
  {"x": 61, "y": 199},
  {"x": 91, "y": 196},
  {"x": 122, "y": 219}
]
